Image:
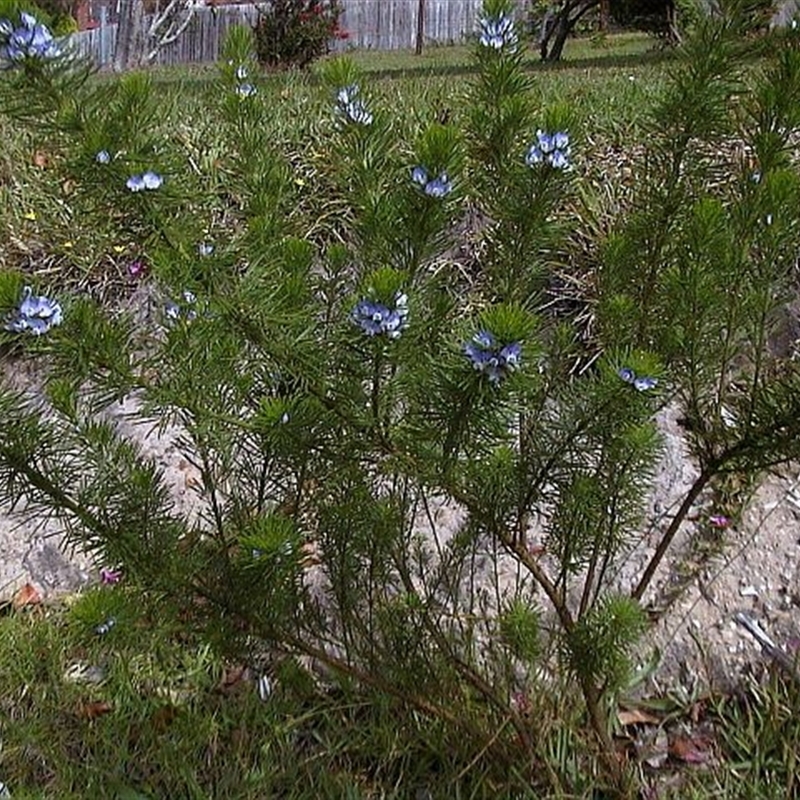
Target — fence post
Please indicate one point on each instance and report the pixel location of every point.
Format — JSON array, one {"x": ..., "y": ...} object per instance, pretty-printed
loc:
[{"x": 103, "y": 35}]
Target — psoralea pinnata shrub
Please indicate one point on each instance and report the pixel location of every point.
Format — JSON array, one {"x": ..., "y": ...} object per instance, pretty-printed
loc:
[{"x": 401, "y": 473}]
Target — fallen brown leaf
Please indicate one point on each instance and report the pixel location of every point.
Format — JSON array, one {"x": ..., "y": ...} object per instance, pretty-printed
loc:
[
  {"x": 635, "y": 716},
  {"x": 192, "y": 482},
  {"x": 232, "y": 678},
  {"x": 692, "y": 749},
  {"x": 697, "y": 711},
  {"x": 41, "y": 159},
  {"x": 28, "y": 595},
  {"x": 95, "y": 709},
  {"x": 310, "y": 555}
]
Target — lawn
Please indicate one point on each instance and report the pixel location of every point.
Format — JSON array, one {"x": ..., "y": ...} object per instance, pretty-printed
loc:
[{"x": 145, "y": 711}]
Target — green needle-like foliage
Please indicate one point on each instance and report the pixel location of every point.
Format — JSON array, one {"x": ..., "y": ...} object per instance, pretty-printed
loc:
[{"x": 395, "y": 469}]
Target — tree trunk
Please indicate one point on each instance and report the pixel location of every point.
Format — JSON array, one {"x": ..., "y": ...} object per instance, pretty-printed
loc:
[
  {"x": 605, "y": 14},
  {"x": 420, "y": 27},
  {"x": 545, "y": 32},
  {"x": 563, "y": 25},
  {"x": 130, "y": 45},
  {"x": 560, "y": 32},
  {"x": 673, "y": 30}
]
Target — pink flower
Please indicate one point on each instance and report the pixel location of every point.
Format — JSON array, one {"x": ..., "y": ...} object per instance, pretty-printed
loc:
[
  {"x": 521, "y": 703},
  {"x": 108, "y": 576},
  {"x": 719, "y": 521},
  {"x": 137, "y": 268}
]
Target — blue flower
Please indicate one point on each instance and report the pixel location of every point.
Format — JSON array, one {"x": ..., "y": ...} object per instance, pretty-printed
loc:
[
  {"x": 645, "y": 384},
  {"x": 559, "y": 160},
  {"x": 347, "y": 94},
  {"x": 36, "y": 314},
  {"x": 491, "y": 358},
  {"x": 433, "y": 187},
  {"x": 147, "y": 180},
  {"x": 552, "y": 149},
  {"x": 419, "y": 175},
  {"x": 105, "y": 627},
  {"x": 350, "y": 106},
  {"x": 534, "y": 156},
  {"x": 185, "y": 310},
  {"x": 376, "y": 318},
  {"x": 246, "y": 90},
  {"x": 152, "y": 180},
  {"x": 29, "y": 40},
  {"x": 103, "y": 157},
  {"x": 205, "y": 249},
  {"x": 560, "y": 140},
  {"x": 439, "y": 187},
  {"x": 135, "y": 183},
  {"x": 498, "y": 32},
  {"x": 640, "y": 383}
]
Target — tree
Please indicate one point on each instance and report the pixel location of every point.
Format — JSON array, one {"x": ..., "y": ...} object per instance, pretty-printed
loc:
[
  {"x": 129, "y": 52},
  {"x": 140, "y": 36},
  {"x": 560, "y": 20}
]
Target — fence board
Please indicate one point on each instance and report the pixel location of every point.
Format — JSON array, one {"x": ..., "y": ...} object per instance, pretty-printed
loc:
[{"x": 372, "y": 24}]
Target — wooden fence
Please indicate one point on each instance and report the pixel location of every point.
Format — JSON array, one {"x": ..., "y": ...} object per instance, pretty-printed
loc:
[{"x": 372, "y": 24}]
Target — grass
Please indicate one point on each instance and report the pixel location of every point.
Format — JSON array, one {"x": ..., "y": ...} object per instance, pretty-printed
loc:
[
  {"x": 607, "y": 84},
  {"x": 159, "y": 715},
  {"x": 166, "y": 717}
]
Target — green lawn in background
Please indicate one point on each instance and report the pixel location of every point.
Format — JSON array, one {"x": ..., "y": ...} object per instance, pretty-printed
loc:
[{"x": 609, "y": 80}]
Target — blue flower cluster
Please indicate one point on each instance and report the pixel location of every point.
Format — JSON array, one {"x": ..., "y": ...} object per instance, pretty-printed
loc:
[
  {"x": 187, "y": 311},
  {"x": 147, "y": 180},
  {"x": 36, "y": 314},
  {"x": 376, "y": 318},
  {"x": 550, "y": 148},
  {"x": 350, "y": 106},
  {"x": 245, "y": 90},
  {"x": 433, "y": 187},
  {"x": 491, "y": 358},
  {"x": 498, "y": 32},
  {"x": 641, "y": 384},
  {"x": 29, "y": 40},
  {"x": 103, "y": 157}
]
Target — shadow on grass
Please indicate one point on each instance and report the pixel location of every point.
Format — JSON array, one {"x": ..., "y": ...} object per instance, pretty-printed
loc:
[{"x": 622, "y": 61}]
